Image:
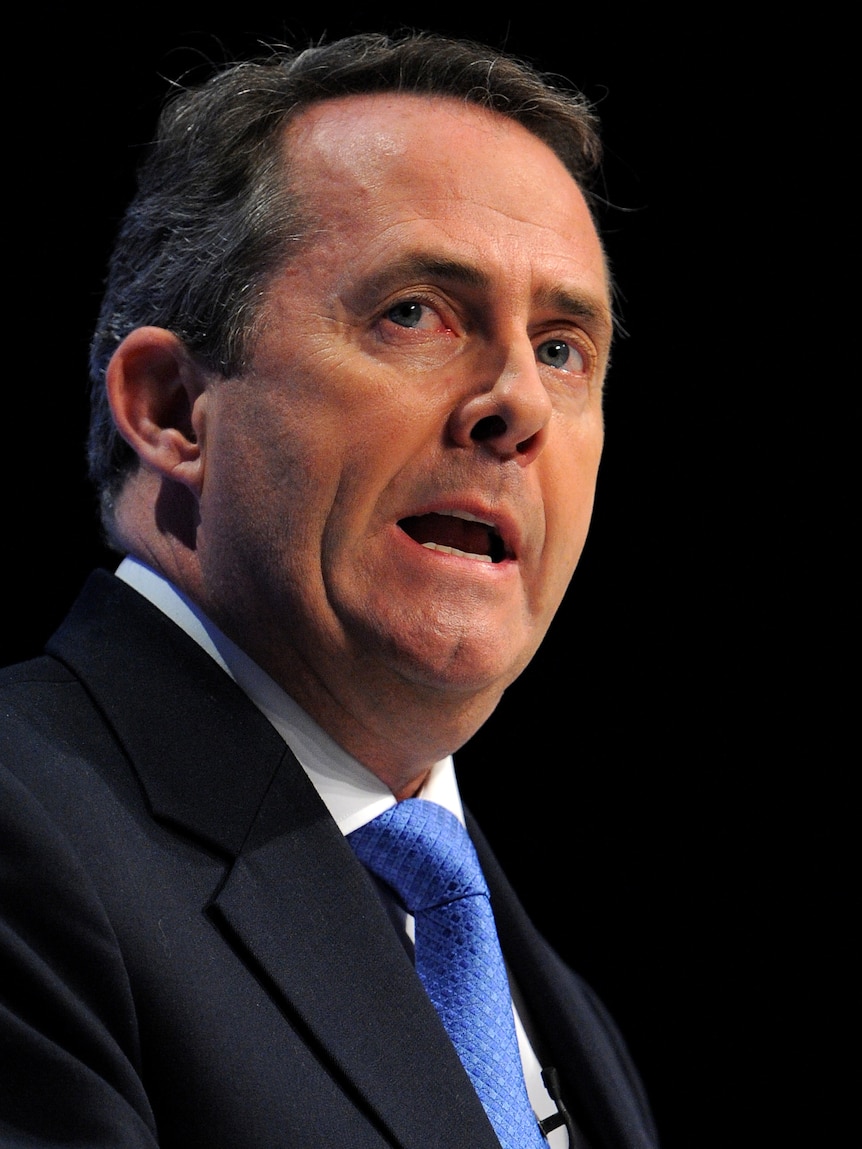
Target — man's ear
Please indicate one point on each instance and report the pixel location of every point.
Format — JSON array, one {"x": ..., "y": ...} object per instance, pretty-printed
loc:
[{"x": 156, "y": 392}]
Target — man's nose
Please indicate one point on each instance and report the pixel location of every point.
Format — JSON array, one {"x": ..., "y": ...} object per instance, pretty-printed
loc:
[{"x": 509, "y": 413}]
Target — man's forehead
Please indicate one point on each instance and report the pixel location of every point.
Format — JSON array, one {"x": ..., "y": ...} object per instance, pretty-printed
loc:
[
  {"x": 373, "y": 131},
  {"x": 422, "y": 140},
  {"x": 400, "y": 171}
]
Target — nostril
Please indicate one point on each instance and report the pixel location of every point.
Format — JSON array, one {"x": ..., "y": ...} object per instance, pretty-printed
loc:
[
  {"x": 491, "y": 427},
  {"x": 526, "y": 445}
]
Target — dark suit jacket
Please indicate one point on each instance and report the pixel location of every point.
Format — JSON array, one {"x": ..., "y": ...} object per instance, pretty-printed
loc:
[{"x": 191, "y": 954}]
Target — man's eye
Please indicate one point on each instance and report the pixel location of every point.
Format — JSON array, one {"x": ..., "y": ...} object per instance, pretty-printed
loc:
[
  {"x": 558, "y": 353},
  {"x": 423, "y": 320},
  {"x": 407, "y": 314}
]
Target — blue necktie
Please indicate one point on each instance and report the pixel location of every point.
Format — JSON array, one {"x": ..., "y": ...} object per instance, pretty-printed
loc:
[{"x": 424, "y": 853}]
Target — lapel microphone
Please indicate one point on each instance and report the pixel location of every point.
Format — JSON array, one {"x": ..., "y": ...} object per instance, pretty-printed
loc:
[{"x": 551, "y": 1080}]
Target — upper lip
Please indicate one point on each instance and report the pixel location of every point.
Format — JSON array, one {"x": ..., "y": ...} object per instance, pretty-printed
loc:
[{"x": 498, "y": 520}]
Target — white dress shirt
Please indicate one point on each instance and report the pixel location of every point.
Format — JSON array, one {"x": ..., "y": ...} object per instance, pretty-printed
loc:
[{"x": 351, "y": 793}]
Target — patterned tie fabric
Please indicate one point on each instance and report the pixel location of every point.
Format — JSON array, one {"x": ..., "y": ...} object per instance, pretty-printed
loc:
[{"x": 424, "y": 853}]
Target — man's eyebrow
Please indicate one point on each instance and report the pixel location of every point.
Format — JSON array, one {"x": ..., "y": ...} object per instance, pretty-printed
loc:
[
  {"x": 594, "y": 311},
  {"x": 416, "y": 267}
]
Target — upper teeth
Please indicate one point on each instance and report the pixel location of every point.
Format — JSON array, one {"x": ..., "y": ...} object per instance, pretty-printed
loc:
[{"x": 467, "y": 517}]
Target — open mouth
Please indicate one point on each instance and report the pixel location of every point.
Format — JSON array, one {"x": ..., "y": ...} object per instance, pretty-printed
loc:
[{"x": 457, "y": 533}]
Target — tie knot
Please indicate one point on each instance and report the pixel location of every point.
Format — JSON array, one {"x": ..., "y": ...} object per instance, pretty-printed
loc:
[{"x": 423, "y": 852}]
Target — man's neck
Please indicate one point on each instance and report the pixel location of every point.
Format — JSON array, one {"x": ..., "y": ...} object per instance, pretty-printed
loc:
[{"x": 352, "y": 792}]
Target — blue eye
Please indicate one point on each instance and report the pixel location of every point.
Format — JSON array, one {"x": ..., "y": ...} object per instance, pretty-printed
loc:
[
  {"x": 558, "y": 353},
  {"x": 406, "y": 314}
]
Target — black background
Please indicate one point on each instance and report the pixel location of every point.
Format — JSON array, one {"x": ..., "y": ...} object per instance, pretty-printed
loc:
[{"x": 670, "y": 750}]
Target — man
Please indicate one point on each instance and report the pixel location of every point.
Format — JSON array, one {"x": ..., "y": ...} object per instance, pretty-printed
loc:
[{"x": 347, "y": 420}]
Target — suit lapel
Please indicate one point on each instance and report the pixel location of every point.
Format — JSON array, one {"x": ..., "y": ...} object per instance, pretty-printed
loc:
[
  {"x": 203, "y": 754},
  {"x": 295, "y": 900}
]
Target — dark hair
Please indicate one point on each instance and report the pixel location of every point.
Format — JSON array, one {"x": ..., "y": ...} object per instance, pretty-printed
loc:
[{"x": 213, "y": 215}]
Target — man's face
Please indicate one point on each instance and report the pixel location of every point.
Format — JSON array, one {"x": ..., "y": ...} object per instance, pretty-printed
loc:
[{"x": 397, "y": 491}]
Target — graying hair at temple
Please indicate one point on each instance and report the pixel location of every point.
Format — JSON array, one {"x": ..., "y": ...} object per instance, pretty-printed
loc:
[{"x": 212, "y": 218}]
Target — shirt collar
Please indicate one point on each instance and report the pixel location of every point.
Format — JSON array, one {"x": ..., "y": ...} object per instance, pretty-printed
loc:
[{"x": 351, "y": 793}]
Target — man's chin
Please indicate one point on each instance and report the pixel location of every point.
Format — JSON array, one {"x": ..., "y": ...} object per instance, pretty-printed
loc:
[{"x": 463, "y": 670}]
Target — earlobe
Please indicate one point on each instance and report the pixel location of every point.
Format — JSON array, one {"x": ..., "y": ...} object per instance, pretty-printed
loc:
[{"x": 156, "y": 392}]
